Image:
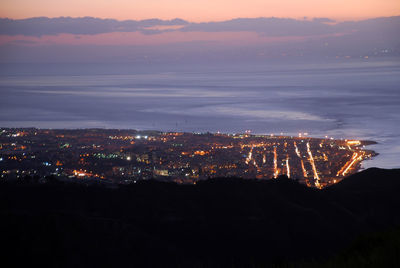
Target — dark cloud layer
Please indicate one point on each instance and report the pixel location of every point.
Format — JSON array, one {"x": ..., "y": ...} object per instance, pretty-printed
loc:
[
  {"x": 88, "y": 25},
  {"x": 320, "y": 38},
  {"x": 266, "y": 26}
]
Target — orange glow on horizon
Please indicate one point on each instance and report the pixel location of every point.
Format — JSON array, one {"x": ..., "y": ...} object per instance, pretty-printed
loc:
[{"x": 201, "y": 10}]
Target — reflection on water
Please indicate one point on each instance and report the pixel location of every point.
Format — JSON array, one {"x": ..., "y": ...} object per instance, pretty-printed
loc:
[{"x": 345, "y": 101}]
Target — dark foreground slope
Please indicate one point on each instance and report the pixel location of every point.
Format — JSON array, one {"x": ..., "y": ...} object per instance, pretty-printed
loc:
[{"x": 219, "y": 222}]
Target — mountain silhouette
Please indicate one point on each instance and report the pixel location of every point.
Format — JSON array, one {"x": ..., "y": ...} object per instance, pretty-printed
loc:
[{"x": 223, "y": 222}]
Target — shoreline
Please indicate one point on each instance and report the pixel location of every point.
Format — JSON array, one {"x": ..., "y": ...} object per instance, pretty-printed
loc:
[{"x": 316, "y": 161}]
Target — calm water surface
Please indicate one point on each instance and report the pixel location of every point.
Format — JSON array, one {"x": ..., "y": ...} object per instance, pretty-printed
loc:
[{"x": 359, "y": 100}]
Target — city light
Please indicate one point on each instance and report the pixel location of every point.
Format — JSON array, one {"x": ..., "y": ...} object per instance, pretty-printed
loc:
[{"x": 179, "y": 157}]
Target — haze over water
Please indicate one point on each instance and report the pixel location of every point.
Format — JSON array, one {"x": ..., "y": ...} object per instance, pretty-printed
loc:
[{"x": 354, "y": 99}]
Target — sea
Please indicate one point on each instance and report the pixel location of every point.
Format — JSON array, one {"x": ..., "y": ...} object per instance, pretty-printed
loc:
[{"x": 353, "y": 99}]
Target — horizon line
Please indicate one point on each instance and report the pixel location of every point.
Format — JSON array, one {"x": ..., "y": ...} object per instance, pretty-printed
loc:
[{"x": 304, "y": 18}]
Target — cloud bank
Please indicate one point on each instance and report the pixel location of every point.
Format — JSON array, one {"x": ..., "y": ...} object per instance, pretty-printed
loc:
[
  {"x": 52, "y": 26},
  {"x": 274, "y": 27},
  {"x": 90, "y": 26},
  {"x": 93, "y": 39}
]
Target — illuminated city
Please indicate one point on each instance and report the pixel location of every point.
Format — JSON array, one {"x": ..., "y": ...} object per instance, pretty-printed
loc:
[
  {"x": 126, "y": 156},
  {"x": 202, "y": 133}
]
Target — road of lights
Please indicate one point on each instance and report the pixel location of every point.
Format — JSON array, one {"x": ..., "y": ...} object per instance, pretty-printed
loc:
[
  {"x": 287, "y": 166},
  {"x": 276, "y": 171},
  {"x": 303, "y": 169},
  {"x": 297, "y": 150},
  {"x": 249, "y": 157},
  {"x": 311, "y": 158},
  {"x": 356, "y": 157}
]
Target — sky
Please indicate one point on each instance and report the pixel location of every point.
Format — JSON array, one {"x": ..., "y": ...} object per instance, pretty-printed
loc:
[
  {"x": 120, "y": 30},
  {"x": 200, "y": 10}
]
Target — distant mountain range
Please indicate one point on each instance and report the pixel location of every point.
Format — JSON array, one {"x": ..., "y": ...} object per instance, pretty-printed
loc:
[{"x": 226, "y": 222}]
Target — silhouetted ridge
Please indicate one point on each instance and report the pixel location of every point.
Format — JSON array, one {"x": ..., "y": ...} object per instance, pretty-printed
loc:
[
  {"x": 370, "y": 179},
  {"x": 371, "y": 195},
  {"x": 221, "y": 222}
]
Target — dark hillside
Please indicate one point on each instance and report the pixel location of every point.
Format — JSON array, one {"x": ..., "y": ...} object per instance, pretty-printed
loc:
[
  {"x": 225, "y": 222},
  {"x": 373, "y": 196},
  {"x": 372, "y": 179}
]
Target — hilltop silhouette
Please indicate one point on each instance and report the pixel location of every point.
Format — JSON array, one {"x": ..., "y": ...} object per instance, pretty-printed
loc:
[{"x": 223, "y": 222}]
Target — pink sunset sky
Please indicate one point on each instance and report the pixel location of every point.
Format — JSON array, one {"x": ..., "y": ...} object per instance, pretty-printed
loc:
[
  {"x": 200, "y": 10},
  {"x": 208, "y": 25}
]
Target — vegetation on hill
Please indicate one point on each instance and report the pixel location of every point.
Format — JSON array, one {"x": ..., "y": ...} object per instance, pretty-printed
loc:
[{"x": 226, "y": 222}]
